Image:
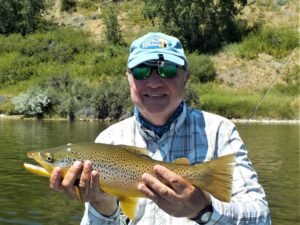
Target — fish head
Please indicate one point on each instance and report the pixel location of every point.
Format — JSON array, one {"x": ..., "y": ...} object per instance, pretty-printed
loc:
[{"x": 63, "y": 157}]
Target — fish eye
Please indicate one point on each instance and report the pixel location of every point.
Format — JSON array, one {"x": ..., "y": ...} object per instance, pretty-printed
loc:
[{"x": 49, "y": 158}]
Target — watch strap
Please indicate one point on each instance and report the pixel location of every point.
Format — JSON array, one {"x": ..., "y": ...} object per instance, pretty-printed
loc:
[{"x": 207, "y": 211}]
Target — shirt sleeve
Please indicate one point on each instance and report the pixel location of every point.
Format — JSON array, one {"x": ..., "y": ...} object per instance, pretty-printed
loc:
[
  {"x": 248, "y": 204},
  {"x": 92, "y": 217}
]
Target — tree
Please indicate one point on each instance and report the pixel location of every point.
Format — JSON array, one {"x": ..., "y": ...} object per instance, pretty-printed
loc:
[
  {"x": 20, "y": 16},
  {"x": 113, "y": 31},
  {"x": 201, "y": 25}
]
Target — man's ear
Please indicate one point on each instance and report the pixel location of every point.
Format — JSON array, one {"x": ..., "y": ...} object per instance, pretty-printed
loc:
[
  {"x": 129, "y": 77},
  {"x": 186, "y": 76}
]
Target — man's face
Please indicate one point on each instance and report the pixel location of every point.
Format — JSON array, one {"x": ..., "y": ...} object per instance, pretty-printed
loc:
[{"x": 157, "y": 98}]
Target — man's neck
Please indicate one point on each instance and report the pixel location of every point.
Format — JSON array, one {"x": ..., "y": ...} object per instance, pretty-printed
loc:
[{"x": 158, "y": 128}]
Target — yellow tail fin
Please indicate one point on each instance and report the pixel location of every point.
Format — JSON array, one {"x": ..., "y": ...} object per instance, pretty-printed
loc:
[{"x": 215, "y": 177}]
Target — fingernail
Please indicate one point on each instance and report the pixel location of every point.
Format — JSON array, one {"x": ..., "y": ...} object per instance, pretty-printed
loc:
[
  {"x": 77, "y": 164},
  {"x": 140, "y": 187},
  {"x": 87, "y": 163}
]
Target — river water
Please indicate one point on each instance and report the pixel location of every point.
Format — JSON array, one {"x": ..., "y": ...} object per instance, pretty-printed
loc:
[{"x": 27, "y": 199}]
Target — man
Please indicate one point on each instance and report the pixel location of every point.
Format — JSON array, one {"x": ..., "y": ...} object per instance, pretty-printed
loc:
[{"x": 157, "y": 72}]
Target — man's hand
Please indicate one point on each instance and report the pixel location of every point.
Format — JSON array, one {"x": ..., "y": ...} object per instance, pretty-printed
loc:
[
  {"x": 173, "y": 194},
  {"x": 88, "y": 185}
]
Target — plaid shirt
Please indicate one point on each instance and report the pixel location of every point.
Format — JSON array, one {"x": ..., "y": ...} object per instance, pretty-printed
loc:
[{"x": 200, "y": 136}]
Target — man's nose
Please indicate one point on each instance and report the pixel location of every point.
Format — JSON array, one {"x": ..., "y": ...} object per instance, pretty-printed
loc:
[{"x": 154, "y": 80}]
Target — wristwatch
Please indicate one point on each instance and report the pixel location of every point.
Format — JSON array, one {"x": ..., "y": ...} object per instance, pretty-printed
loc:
[{"x": 204, "y": 215}]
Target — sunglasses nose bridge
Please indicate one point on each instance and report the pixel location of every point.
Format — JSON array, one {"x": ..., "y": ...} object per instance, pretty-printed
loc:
[
  {"x": 155, "y": 80},
  {"x": 155, "y": 74}
]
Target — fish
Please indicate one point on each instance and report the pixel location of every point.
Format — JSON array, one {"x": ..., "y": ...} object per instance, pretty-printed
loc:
[{"x": 121, "y": 168}]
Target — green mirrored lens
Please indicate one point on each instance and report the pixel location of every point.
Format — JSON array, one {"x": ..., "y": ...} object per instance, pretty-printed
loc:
[
  {"x": 167, "y": 71},
  {"x": 141, "y": 73}
]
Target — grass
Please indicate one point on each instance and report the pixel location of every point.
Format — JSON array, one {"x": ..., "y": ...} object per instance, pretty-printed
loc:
[{"x": 242, "y": 104}]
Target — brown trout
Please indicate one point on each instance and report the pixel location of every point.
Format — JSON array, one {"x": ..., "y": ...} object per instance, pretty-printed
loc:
[{"x": 121, "y": 168}]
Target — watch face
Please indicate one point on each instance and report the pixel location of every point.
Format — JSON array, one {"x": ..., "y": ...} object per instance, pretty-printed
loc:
[{"x": 205, "y": 217}]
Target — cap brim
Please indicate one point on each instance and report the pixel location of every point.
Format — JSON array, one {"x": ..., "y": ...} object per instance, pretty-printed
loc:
[{"x": 139, "y": 59}]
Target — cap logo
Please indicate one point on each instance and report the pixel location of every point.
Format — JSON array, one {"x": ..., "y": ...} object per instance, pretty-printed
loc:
[{"x": 155, "y": 42}]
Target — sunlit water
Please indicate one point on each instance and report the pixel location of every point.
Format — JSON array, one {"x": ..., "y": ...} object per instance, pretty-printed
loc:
[{"x": 27, "y": 199}]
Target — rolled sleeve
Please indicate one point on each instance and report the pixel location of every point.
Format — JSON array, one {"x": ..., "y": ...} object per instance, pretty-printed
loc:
[{"x": 93, "y": 217}]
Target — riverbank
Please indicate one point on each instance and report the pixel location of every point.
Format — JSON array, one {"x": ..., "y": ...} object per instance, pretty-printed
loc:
[
  {"x": 265, "y": 121},
  {"x": 238, "y": 121}
]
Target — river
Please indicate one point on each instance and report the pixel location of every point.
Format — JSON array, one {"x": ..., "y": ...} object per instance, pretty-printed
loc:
[{"x": 27, "y": 199}]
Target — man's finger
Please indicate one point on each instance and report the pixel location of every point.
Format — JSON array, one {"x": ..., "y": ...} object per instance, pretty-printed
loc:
[
  {"x": 85, "y": 178},
  {"x": 70, "y": 179},
  {"x": 155, "y": 189},
  {"x": 55, "y": 179},
  {"x": 170, "y": 178}
]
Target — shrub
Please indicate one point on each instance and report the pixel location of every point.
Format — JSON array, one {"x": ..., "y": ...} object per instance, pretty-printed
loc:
[
  {"x": 201, "y": 68},
  {"x": 67, "y": 5},
  {"x": 87, "y": 4},
  {"x": 277, "y": 42},
  {"x": 112, "y": 99},
  {"x": 68, "y": 96},
  {"x": 292, "y": 82},
  {"x": 192, "y": 95},
  {"x": 202, "y": 25},
  {"x": 113, "y": 31},
  {"x": 34, "y": 102},
  {"x": 20, "y": 16}
]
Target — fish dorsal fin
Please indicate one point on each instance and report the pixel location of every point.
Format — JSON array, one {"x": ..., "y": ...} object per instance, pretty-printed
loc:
[
  {"x": 182, "y": 161},
  {"x": 129, "y": 206},
  {"x": 135, "y": 150}
]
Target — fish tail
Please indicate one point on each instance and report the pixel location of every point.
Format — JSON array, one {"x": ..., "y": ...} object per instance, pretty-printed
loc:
[{"x": 216, "y": 177}]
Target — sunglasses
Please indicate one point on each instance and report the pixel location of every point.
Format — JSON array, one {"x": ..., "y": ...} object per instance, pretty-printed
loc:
[{"x": 143, "y": 71}]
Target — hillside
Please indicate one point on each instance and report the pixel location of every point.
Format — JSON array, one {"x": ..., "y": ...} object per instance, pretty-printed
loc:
[
  {"x": 242, "y": 76},
  {"x": 232, "y": 71}
]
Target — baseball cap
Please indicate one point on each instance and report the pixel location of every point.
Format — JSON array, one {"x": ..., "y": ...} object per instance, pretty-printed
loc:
[{"x": 156, "y": 46}]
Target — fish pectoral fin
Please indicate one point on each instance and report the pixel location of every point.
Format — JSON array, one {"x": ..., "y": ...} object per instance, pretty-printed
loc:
[
  {"x": 182, "y": 161},
  {"x": 129, "y": 206},
  {"x": 78, "y": 193}
]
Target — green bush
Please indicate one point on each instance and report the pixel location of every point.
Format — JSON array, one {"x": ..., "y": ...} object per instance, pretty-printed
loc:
[
  {"x": 201, "y": 68},
  {"x": 87, "y": 4},
  {"x": 67, "y": 5},
  {"x": 202, "y": 25},
  {"x": 113, "y": 31},
  {"x": 73, "y": 98},
  {"x": 112, "y": 99},
  {"x": 64, "y": 50},
  {"x": 277, "y": 42},
  {"x": 20, "y": 16},
  {"x": 68, "y": 96},
  {"x": 34, "y": 102},
  {"x": 192, "y": 95},
  {"x": 291, "y": 87}
]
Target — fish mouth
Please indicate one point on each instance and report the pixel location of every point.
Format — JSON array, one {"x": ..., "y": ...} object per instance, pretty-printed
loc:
[
  {"x": 37, "y": 170},
  {"x": 43, "y": 170}
]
